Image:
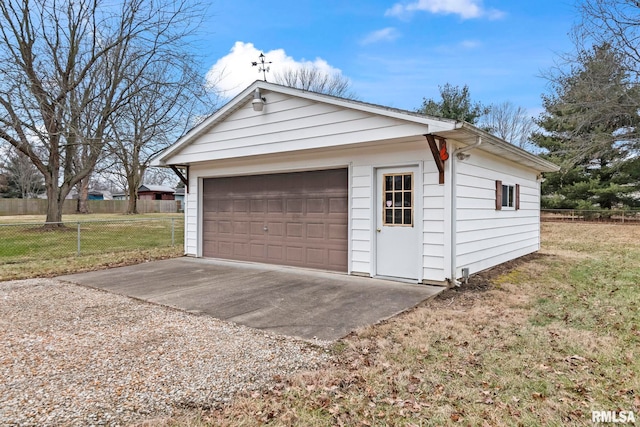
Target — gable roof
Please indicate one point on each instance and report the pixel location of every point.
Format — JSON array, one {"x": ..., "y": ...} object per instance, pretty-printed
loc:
[{"x": 446, "y": 128}]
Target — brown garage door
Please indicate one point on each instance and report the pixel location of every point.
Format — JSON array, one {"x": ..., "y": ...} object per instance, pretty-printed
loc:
[{"x": 297, "y": 219}]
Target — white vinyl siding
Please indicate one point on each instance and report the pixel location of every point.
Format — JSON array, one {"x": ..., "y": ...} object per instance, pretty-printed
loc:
[
  {"x": 433, "y": 226},
  {"x": 486, "y": 237},
  {"x": 361, "y": 219},
  {"x": 289, "y": 124},
  {"x": 191, "y": 218}
]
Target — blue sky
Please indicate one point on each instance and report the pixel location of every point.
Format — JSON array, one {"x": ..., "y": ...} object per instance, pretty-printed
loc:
[{"x": 395, "y": 53}]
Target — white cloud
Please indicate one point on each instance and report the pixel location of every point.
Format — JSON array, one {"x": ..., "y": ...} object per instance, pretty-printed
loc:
[
  {"x": 233, "y": 72},
  {"x": 466, "y": 9},
  {"x": 385, "y": 34}
]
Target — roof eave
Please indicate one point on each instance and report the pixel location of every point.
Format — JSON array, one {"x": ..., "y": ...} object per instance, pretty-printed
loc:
[{"x": 502, "y": 146}]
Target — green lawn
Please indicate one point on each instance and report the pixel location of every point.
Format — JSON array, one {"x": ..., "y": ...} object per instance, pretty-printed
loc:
[{"x": 85, "y": 242}]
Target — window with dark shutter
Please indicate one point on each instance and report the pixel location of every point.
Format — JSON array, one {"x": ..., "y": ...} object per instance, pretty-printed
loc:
[{"x": 507, "y": 196}]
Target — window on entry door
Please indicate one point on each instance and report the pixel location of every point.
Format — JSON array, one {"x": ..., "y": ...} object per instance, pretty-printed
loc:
[{"x": 398, "y": 199}]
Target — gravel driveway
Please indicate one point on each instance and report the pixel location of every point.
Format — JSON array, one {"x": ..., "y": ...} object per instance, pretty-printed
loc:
[{"x": 76, "y": 356}]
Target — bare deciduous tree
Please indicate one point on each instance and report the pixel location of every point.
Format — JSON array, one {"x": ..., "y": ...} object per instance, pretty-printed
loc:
[
  {"x": 313, "y": 79},
  {"x": 167, "y": 98},
  {"x": 615, "y": 23},
  {"x": 159, "y": 176},
  {"x": 23, "y": 179},
  {"x": 511, "y": 123},
  {"x": 67, "y": 68}
]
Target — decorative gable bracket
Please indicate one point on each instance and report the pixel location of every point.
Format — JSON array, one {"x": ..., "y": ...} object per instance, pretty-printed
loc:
[
  {"x": 184, "y": 179},
  {"x": 440, "y": 154}
]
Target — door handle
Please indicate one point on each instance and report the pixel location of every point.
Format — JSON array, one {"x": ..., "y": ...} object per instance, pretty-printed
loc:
[{"x": 378, "y": 230}]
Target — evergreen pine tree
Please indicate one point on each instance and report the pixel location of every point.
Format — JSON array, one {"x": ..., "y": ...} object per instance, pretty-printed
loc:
[{"x": 591, "y": 129}]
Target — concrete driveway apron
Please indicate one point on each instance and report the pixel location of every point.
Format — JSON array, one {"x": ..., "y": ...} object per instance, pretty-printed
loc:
[{"x": 295, "y": 302}]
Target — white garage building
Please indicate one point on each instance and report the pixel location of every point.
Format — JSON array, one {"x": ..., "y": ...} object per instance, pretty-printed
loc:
[{"x": 284, "y": 176}]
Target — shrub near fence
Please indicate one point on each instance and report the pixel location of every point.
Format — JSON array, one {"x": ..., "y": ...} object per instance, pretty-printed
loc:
[
  {"x": 27, "y": 242},
  {"x": 39, "y": 206},
  {"x": 602, "y": 215}
]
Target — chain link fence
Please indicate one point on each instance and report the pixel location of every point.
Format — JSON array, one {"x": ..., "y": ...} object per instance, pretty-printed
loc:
[
  {"x": 600, "y": 215},
  {"x": 28, "y": 241}
]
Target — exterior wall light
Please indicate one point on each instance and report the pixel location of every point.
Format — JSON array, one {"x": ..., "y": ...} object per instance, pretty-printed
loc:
[{"x": 258, "y": 101}]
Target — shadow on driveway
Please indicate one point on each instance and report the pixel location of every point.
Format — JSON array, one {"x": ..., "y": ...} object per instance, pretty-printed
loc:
[{"x": 295, "y": 302}]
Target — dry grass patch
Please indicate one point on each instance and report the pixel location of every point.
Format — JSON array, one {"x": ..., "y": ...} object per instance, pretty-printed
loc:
[
  {"x": 76, "y": 264},
  {"x": 542, "y": 341}
]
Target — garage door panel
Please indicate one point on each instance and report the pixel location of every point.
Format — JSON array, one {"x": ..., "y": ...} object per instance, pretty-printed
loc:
[
  {"x": 338, "y": 259},
  {"x": 274, "y": 253},
  {"x": 337, "y": 231},
  {"x": 209, "y": 246},
  {"x": 225, "y": 205},
  {"x": 240, "y": 206},
  {"x": 305, "y": 215},
  {"x": 294, "y": 230},
  {"x": 225, "y": 248},
  {"x": 257, "y": 228},
  {"x": 316, "y": 256},
  {"x": 338, "y": 205},
  {"x": 209, "y": 227},
  {"x": 295, "y": 205},
  {"x": 315, "y": 231},
  {"x": 241, "y": 227},
  {"x": 275, "y": 229},
  {"x": 257, "y": 205},
  {"x": 224, "y": 227},
  {"x": 257, "y": 250},
  {"x": 210, "y": 206},
  {"x": 315, "y": 205},
  {"x": 275, "y": 206},
  {"x": 295, "y": 254},
  {"x": 240, "y": 249},
  {"x": 335, "y": 179}
]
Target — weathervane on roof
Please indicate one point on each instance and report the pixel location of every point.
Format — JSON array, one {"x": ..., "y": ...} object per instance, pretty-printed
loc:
[{"x": 262, "y": 65}]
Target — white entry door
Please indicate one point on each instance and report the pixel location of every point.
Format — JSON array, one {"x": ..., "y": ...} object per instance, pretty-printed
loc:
[{"x": 397, "y": 240}]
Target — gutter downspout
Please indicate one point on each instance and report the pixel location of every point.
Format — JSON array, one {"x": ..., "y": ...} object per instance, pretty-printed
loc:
[{"x": 454, "y": 196}]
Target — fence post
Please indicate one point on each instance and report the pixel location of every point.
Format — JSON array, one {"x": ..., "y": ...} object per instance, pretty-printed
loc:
[
  {"x": 173, "y": 232},
  {"x": 78, "y": 237}
]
